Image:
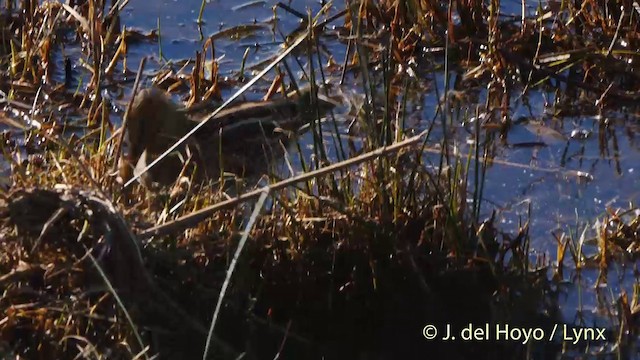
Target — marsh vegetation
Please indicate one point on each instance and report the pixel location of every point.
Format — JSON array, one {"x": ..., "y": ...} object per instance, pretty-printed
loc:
[{"x": 320, "y": 182}]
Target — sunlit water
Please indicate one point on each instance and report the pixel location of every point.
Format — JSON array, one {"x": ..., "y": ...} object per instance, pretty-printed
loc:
[{"x": 558, "y": 200}]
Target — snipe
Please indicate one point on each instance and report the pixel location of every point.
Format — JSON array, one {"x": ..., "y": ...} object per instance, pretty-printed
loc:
[{"x": 241, "y": 139}]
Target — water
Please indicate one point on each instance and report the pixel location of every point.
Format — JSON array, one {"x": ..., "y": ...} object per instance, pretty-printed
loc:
[
  {"x": 559, "y": 201},
  {"x": 182, "y": 36}
]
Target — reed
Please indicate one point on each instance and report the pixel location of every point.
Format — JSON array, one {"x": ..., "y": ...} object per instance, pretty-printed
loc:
[{"x": 379, "y": 223}]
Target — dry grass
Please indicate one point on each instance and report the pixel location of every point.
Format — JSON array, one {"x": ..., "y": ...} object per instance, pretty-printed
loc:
[{"x": 347, "y": 263}]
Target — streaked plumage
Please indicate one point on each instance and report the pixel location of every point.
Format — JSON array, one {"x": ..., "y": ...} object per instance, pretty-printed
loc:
[{"x": 240, "y": 135}]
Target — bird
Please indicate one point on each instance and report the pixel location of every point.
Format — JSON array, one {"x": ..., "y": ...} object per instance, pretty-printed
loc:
[{"x": 239, "y": 139}]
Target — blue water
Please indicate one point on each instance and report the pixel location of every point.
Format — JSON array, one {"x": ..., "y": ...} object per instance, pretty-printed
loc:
[{"x": 559, "y": 200}]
